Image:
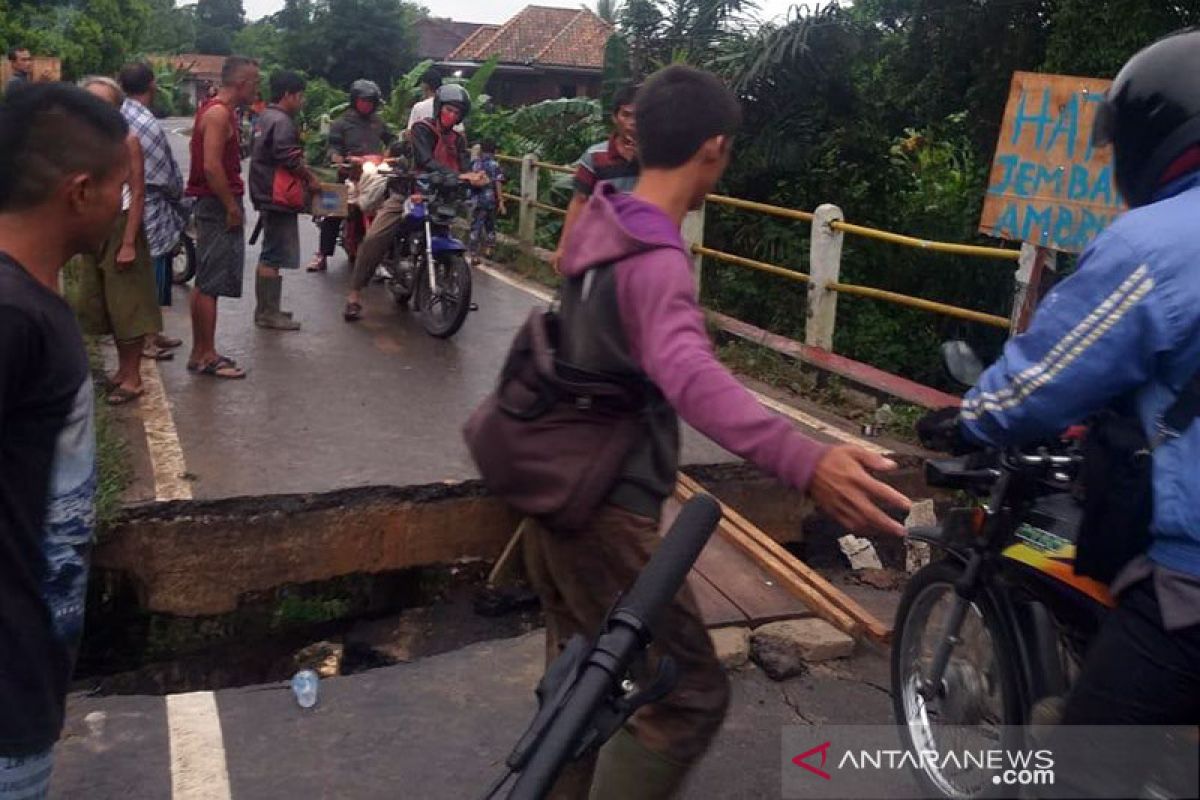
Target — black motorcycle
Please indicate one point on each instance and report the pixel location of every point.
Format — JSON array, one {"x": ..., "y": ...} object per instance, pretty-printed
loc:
[{"x": 991, "y": 634}]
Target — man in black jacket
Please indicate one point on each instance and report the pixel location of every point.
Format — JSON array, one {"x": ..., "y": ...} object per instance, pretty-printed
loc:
[
  {"x": 278, "y": 180},
  {"x": 437, "y": 147},
  {"x": 358, "y": 132}
]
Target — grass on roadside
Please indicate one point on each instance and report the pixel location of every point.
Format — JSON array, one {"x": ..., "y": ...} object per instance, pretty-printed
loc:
[{"x": 113, "y": 469}]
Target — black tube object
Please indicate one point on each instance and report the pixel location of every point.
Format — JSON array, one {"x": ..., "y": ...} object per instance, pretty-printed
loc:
[{"x": 628, "y": 632}]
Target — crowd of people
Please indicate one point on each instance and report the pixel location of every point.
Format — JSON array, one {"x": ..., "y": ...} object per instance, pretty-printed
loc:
[{"x": 86, "y": 179}]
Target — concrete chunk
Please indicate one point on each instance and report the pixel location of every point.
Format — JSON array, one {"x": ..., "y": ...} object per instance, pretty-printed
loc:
[
  {"x": 732, "y": 646},
  {"x": 783, "y": 649},
  {"x": 860, "y": 552}
]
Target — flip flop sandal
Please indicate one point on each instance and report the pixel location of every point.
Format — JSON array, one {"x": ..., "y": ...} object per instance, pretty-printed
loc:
[
  {"x": 318, "y": 265},
  {"x": 353, "y": 312},
  {"x": 221, "y": 367},
  {"x": 119, "y": 396},
  {"x": 166, "y": 343},
  {"x": 158, "y": 354}
]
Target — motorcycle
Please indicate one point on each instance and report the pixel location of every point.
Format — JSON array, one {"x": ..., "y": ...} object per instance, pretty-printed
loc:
[
  {"x": 183, "y": 259},
  {"x": 993, "y": 633},
  {"x": 427, "y": 265}
]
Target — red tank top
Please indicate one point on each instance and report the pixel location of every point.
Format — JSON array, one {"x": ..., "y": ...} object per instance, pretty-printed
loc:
[{"x": 231, "y": 158}]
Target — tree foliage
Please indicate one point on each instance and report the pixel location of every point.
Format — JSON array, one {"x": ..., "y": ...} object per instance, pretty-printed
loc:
[{"x": 90, "y": 36}]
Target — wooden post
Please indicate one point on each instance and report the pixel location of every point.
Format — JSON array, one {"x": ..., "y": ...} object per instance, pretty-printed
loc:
[
  {"x": 1031, "y": 269},
  {"x": 693, "y": 235},
  {"x": 527, "y": 222},
  {"x": 825, "y": 264}
]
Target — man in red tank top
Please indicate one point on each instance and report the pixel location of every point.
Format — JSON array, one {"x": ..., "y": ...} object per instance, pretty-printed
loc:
[{"x": 215, "y": 180}]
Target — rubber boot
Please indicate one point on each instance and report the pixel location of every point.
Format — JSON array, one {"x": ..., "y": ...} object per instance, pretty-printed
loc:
[
  {"x": 626, "y": 770},
  {"x": 268, "y": 291}
]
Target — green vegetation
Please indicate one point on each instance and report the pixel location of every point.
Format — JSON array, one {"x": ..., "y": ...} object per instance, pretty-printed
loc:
[{"x": 113, "y": 470}]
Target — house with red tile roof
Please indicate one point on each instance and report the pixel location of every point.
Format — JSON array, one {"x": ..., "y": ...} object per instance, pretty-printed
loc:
[
  {"x": 438, "y": 38},
  {"x": 543, "y": 53},
  {"x": 202, "y": 71}
]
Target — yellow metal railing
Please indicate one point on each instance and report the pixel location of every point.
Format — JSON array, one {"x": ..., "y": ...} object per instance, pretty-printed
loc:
[{"x": 896, "y": 298}]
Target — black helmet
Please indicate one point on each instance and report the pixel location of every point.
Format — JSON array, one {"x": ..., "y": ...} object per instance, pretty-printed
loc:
[
  {"x": 1151, "y": 113},
  {"x": 451, "y": 94},
  {"x": 363, "y": 89}
]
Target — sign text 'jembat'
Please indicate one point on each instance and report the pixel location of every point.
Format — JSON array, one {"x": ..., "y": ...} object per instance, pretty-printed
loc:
[{"x": 1049, "y": 185}]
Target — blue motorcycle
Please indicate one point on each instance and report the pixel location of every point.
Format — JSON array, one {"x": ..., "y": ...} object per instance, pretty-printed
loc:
[{"x": 428, "y": 264}]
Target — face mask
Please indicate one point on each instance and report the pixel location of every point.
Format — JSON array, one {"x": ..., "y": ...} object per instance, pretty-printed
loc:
[
  {"x": 449, "y": 117},
  {"x": 364, "y": 107}
]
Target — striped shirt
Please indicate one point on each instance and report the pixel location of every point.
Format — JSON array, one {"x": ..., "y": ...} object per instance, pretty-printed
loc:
[
  {"x": 162, "y": 218},
  {"x": 603, "y": 162}
]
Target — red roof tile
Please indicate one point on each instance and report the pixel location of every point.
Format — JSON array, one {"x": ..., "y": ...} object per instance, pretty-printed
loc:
[
  {"x": 544, "y": 36},
  {"x": 199, "y": 65}
]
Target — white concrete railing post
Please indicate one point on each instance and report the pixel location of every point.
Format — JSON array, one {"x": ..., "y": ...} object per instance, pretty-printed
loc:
[
  {"x": 825, "y": 265},
  {"x": 693, "y": 235},
  {"x": 1027, "y": 291},
  {"x": 527, "y": 221}
]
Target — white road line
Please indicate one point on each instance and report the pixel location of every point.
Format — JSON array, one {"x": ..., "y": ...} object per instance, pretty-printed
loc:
[
  {"x": 198, "y": 769},
  {"x": 162, "y": 440},
  {"x": 791, "y": 413},
  {"x": 517, "y": 283}
]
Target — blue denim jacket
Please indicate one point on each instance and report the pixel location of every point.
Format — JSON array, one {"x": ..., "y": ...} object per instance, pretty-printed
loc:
[{"x": 1127, "y": 322}]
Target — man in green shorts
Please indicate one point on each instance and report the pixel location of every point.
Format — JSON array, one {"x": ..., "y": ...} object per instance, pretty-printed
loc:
[{"x": 113, "y": 290}]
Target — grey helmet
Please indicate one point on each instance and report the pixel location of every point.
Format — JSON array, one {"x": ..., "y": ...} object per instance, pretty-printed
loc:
[
  {"x": 363, "y": 89},
  {"x": 454, "y": 95}
]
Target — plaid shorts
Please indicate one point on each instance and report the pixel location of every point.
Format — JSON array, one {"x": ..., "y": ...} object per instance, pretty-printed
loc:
[
  {"x": 220, "y": 252},
  {"x": 26, "y": 777}
]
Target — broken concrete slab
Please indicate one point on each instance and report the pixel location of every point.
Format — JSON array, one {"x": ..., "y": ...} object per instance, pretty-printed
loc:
[
  {"x": 917, "y": 554},
  {"x": 732, "y": 646},
  {"x": 784, "y": 649},
  {"x": 859, "y": 552}
]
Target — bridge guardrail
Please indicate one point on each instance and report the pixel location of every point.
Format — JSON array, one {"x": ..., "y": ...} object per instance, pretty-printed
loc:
[{"x": 823, "y": 277}]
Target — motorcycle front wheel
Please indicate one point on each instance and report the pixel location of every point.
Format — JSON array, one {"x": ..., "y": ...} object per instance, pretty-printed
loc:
[
  {"x": 183, "y": 260},
  {"x": 977, "y": 706},
  {"x": 443, "y": 312}
]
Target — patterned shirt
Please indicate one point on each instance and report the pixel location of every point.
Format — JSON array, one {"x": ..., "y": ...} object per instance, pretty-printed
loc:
[
  {"x": 162, "y": 219},
  {"x": 604, "y": 162},
  {"x": 486, "y": 196}
]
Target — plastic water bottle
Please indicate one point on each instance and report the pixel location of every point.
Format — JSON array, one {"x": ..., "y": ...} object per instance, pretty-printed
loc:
[{"x": 304, "y": 686}]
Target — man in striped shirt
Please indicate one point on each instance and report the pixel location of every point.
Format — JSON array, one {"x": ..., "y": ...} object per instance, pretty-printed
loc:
[
  {"x": 162, "y": 218},
  {"x": 612, "y": 161}
]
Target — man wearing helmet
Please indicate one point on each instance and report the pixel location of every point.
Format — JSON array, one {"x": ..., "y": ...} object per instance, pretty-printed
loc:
[
  {"x": 1125, "y": 329},
  {"x": 357, "y": 132},
  {"x": 437, "y": 147}
]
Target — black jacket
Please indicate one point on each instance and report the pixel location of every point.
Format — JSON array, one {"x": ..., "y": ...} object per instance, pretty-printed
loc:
[
  {"x": 352, "y": 134},
  {"x": 276, "y": 144}
]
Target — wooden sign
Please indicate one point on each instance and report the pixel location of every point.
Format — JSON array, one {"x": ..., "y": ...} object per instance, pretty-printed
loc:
[
  {"x": 45, "y": 68},
  {"x": 1049, "y": 186}
]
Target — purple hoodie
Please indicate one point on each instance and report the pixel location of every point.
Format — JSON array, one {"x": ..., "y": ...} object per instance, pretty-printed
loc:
[{"x": 664, "y": 327}]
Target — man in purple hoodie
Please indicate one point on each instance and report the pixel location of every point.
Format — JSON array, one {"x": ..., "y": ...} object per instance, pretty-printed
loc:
[{"x": 629, "y": 308}]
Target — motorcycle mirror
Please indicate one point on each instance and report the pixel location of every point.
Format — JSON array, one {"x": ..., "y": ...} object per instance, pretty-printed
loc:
[{"x": 961, "y": 362}]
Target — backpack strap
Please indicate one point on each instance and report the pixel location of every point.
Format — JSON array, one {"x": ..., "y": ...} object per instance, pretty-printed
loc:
[{"x": 1181, "y": 413}]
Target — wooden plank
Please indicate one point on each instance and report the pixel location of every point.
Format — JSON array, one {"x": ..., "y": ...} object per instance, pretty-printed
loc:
[
  {"x": 822, "y": 597},
  {"x": 716, "y": 610},
  {"x": 739, "y": 578}
]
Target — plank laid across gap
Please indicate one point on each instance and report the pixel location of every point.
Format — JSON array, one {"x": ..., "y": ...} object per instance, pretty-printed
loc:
[
  {"x": 716, "y": 610},
  {"x": 825, "y": 599},
  {"x": 739, "y": 579}
]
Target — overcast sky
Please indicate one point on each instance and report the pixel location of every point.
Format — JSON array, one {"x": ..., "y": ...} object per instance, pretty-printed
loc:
[{"x": 494, "y": 10}]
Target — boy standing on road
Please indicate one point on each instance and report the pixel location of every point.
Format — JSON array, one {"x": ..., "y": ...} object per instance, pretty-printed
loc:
[
  {"x": 279, "y": 185},
  {"x": 63, "y": 163},
  {"x": 629, "y": 309},
  {"x": 487, "y": 201},
  {"x": 215, "y": 180}
]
